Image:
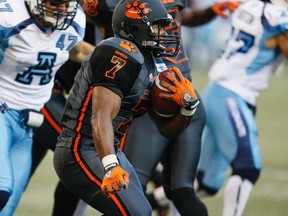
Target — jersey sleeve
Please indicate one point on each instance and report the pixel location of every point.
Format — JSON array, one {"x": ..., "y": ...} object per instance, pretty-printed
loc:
[
  {"x": 78, "y": 25},
  {"x": 116, "y": 67}
]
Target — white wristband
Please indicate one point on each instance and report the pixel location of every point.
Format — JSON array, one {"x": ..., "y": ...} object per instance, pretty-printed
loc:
[
  {"x": 186, "y": 112},
  {"x": 108, "y": 160}
]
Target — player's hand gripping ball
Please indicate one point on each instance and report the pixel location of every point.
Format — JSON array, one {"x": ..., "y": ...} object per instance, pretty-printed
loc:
[
  {"x": 171, "y": 91},
  {"x": 163, "y": 107}
]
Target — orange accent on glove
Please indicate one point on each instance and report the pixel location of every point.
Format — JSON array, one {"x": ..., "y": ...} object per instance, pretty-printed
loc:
[
  {"x": 181, "y": 89},
  {"x": 220, "y": 7},
  {"x": 90, "y": 7},
  {"x": 115, "y": 179}
]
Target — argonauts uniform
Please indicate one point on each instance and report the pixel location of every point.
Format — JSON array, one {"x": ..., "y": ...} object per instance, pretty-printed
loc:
[
  {"x": 243, "y": 70},
  {"x": 47, "y": 134},
  {"x": 29, "y": 59},
  {"x": 75, "y": 159},
  {"x": 45, "y": 137},
  {"x": 180, "y": 155}
]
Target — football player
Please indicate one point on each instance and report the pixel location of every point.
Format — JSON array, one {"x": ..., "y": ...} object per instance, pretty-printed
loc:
[
  {"x": 36, "y": 38},
  {"x": 45, "y": 137},
  {"x": 257, "y": 46},
  {"x": 110, "y": 90},
  {"x": 179, "y": 156}
]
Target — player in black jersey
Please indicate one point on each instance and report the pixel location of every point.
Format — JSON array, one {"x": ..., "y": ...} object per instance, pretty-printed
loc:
[
  {"x": 110, "y": 90},
  {"x": 179, "y": 156}
]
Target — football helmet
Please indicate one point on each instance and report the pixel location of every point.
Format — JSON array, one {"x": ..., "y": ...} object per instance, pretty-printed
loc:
[
  {"x": 134, "y": 20},
  {"x": 57, "y": 13},
  {"x": 283, "y": 3}
]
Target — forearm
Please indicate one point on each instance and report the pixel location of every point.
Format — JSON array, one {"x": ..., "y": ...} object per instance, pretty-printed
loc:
[
  {"x": 105, "y": 106},
  {"x": 80, "y": 52},
  {"x": 193, "y": 18},
  {"x": 282, "y": 43},
  {"x": 103, "y": 135}
]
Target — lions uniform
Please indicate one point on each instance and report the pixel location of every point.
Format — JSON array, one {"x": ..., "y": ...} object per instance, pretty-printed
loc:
[
  {"x": 181, "y": 155},
  {"x": 244, "y": 69},
  {"x": 128, "y": 76},
  {"x": 29, "y": 59}
]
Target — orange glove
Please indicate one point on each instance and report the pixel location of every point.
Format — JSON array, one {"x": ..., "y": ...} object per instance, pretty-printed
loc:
[
  {"x": 115, "y": 179},
  {"x": 220, "y": 7},
  {"x": 90, "y": 7},
  {"x": 182, "y": 90}
]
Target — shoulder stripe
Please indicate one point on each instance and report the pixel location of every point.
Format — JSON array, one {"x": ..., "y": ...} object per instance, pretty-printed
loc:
[{"x": 78, "y": 29}]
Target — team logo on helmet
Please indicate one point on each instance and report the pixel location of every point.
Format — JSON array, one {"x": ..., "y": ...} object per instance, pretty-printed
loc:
[
  {"x": 128, "y": 46},
  {"x": 136, "y": 10}
]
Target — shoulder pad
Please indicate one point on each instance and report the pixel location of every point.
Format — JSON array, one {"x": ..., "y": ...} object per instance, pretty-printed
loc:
[{"x": 277, "y": 19}]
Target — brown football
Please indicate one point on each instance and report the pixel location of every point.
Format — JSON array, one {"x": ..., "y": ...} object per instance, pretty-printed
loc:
[{"x": 163, "y": 107}]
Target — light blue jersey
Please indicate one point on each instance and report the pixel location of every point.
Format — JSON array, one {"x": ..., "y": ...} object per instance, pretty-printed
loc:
[
  {"x": 247, "y": 64},
  {"x": 231, "y": 135},
  {"x": 29, "y": 59},
  {"x": 30, "y": 56}
]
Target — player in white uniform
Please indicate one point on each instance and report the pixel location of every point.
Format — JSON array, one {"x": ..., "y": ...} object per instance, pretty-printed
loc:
[
  {"x": 257, "y": 46},
  {"x": 36, "y": 38}
]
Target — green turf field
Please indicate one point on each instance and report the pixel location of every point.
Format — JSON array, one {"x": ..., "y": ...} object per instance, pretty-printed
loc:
[{"x": 270, "y": 195}]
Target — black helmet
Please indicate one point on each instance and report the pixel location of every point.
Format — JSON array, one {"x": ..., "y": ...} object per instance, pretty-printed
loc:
[
  {"x": 61, "y": 18},
  {"x": 134, "y": 20}
]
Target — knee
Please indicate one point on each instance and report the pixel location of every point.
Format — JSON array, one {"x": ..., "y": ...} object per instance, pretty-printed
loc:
[
  {"x": 4, "y": 197},
  {"x": 251, "y": 174},
  {"x": 186, "y": 202}
]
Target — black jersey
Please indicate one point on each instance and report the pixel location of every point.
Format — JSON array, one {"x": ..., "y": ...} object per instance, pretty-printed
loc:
[
  {"x": 175, "y": 9},
  {"x": 118, "y": 65},
  {"x": 101, "y": 12}
]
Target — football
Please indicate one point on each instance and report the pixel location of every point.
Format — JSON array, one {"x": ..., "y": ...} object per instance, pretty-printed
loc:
[{"x": 163, "y": 107}]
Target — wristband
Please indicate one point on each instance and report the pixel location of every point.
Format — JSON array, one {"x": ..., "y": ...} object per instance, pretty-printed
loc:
[
  {"x": 190, "y": 109},
  {"x": 109, "y": 161},
  {"x": 186, "y": 112}
]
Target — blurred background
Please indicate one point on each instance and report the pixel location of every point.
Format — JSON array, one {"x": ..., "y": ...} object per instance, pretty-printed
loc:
[{"x": 270, "y": 195}]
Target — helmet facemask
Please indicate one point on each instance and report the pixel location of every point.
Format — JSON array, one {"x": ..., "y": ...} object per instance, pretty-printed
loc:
[
  {"x": 59, "y": 14},
  {"x": 162, "y": 41}
]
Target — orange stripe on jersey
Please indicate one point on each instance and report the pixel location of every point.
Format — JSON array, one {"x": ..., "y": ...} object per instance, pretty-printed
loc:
[
  {"x": 116, "y": 201},
  {"x": 57, "y": 91},
  {"x": 123, "y": 140},
  {"x": 51, "y": 121},
  {"x": 78, "y": 157}
]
